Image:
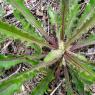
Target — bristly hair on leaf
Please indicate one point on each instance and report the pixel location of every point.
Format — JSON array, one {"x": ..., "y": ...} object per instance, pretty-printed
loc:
[{"x": 72, "y": 21}]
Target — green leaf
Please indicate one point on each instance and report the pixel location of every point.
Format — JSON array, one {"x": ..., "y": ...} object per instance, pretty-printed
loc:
[
  {"x": 85, "y": 69},
  {"x": 19, "y": 5},
  {"x": 85, "y": 42},
  {"x": 2, "y": 37},
  {"x": 89, "y": 66},
  {"x": 55, "y": 19},
  {"x": 2, "y": 12},
  {"x": 5, "y": 57},
  {"x": 54, "y": 54},
  {"x": 43, "y": 85},
  {"x": 72, "y": 17},
  {"x": 76, "y": 80},
  {"x": 6, "y": 64},
  {"x": 89, "y": 24},
  {"x": 20, "y": 18},
  {"x": 88, "y": 93},
  {"x": 80, "y": 56},
  {"x": 8, "y": 61},
  {"x": 68, "y": 86},
  {"x": 86, "y": 22},
  {"x": 14, "y": 32},
  {"x": 52, "y": 15},
  {"x": 37, "y": 49},
  {"x": 86, "y": 78},
  {"x": 88, "y": 12},
  {"x": 26, "y": 26},
  {"x": 64, "y": 4},
  {"x": 17, "y": 80},
  {"x": 13, "y": 85},
  {"x": 83, "y": 59}
]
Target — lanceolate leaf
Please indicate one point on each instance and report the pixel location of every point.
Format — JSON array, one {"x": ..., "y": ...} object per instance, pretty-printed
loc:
[
  {"x": 21, "y": 18},
  {"x": 8, "y": 61},
  {"x": 17, "y": 80},
  {"x": 89, "y": 24},
  {"x": 37, "y": 49},
  {"x": 2, "y": 37},
  {"x": 2, "y": 12},
  {"x": 82, "y": 58},
  {"x": 64, "y": 15},
  {"x": 6, "y": 64},
  {"x": 13, "y": 85},
  {"x": 84, "y": 42},
  {"x": 52, "y": 15},
  {"x": 68, "y": 83},
  {"x": 19, "y": 5},
  {"x": 43, "y": 85},
  {"x": 73, "y": 16},
  {"x": 17, "y": 33},
  {"x": 85, "y": 22},
  {"x": 76, "y": 80},
  {"x": 86, "y": 74},
  {"x": 26, "y": 26},
  {"x": 55, "y": 20},
  {"x": 88, "y": 12},
  {"x": 82, "y": 65},
  {"x": 84, "y": 61}
]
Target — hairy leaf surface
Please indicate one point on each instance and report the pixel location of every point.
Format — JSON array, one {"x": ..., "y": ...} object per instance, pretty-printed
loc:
[
  {"x": 17, "y": 33},
  {"x": 43, "y": 85},
  {"x": 19, "y": 5}
]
